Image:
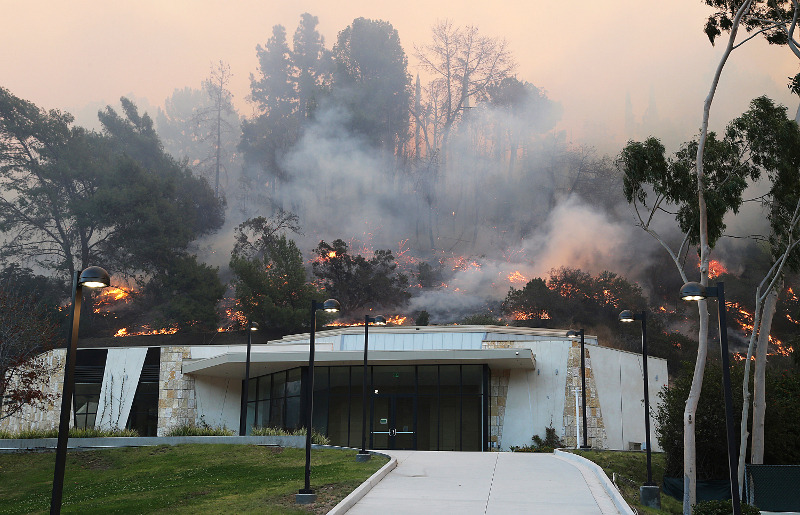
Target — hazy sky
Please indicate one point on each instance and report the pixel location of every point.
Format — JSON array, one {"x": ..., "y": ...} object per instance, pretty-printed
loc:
[{"x": 587, "y": 55}]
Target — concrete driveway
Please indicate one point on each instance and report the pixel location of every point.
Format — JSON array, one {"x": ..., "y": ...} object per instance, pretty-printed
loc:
[{"x": 474, "y": 483}]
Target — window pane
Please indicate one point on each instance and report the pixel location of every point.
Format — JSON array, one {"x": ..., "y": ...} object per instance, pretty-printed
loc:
[
  {"x": 279, "y": 384},
  {"x": 320, "y": 378},
  {"x": 276, "y": 412},
  {"x": 428, "y": 379},
  {"x": 292, "y": 413},
  {"x": 264, "y": 383},
  {"x": 262, "y": 416},
  {"x": 293, "y": 382},
  {"x": 252, "y": 389},
  {"x": 251, "y": 416},
  {"x": 450, "y": 379},
  {"x": 338, "y": 419},
  {"x": 320, "y": 412},
  {"x": 394, "y": 379},
  {"x": 472, "y": 423},
  {"x": 340, "y": 380},
  {"x": 450, "y": 423},
  {"x": 427, "y": 423},
  {"x": 357, "y": 380},
  {"x": 472, "y": 379}
]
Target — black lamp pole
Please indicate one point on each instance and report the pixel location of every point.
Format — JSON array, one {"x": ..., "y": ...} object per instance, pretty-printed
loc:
[
  {"x": 252, "y": 326},
  {"x": 363, "y": 455},
  {"x": 92, "y": 277},
  {"x": 696, "y": 291},
  {"x": 306, "y": 495}
]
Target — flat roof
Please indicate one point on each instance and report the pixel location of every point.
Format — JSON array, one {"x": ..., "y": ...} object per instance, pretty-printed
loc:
[{"x": 232, "y": 364}]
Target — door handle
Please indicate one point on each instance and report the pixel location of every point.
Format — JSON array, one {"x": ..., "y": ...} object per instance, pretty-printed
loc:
[{"x": 393, "y": 432}]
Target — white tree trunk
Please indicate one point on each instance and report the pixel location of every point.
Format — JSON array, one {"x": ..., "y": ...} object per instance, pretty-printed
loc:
[
  {"x": 759, "y": 396},
  {"x": 689, "y": 447}
]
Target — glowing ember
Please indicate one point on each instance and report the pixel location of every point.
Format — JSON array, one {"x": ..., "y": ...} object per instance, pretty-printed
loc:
[
  {"x": 107, "y": 298},
  {"x": 331, "y": 254},
  {"x": 517, "y": 277},
  {"x": 541, "y": 315},
  {"x": 745, "y": 320},
  {"x": 146, "y": 331}
]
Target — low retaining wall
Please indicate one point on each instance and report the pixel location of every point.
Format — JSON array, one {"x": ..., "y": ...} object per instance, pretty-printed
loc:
[{"x": 38, "y": 444}]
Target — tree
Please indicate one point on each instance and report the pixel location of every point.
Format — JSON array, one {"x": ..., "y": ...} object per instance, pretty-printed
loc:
[
  {"x": 186, "y": 294},
  {"x": 465, "y": 64},
  {"x": 371, "y": 79},
  {"x": 26, "y": 332},
  {"x": 269, "y": 274},
  {"x": 202, "y": 126},
  {"x": 357, "y": 282},
  {"x": 72, "y": 198}
]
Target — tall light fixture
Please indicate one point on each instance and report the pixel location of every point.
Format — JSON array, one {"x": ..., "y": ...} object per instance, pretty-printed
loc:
[
  {"x": 252, "y": 327},
  {"x": 695, "y": 291},
  {"x": 307, "y": 495},
  {"x": 363, "y": 455},
  {"x": 92, "y": 277},
  {"x": 585, "y": 446},
  {"x": 648, "y": 493}
]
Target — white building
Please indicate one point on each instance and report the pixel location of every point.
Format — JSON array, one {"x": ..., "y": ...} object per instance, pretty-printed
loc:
[{"x": 468, "y": 388}]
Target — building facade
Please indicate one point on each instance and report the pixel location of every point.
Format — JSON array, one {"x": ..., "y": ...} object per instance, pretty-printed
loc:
[{"x": 461, "y": 388}]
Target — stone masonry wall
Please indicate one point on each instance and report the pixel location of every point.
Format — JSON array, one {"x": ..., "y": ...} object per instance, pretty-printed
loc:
[
  {"x": 46, "y": 416},
  {"x": 177, "y": 404},
  {"x": 594, "y": 418}
]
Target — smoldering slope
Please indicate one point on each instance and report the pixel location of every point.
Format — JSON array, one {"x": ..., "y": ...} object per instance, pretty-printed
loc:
[{"x": 473, "y": 223}]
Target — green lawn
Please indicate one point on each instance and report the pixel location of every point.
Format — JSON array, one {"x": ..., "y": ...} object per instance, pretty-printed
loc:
[
  {"x": 631, "y": 470},
  {"x": 208, "y": 479}
]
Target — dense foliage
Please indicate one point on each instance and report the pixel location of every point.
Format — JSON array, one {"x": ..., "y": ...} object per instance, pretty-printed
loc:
[
  {"x": 357, "y": 282},
  {"x": 782, "y": 434}
]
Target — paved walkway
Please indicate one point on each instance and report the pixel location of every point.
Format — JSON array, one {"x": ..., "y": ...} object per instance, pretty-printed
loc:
[{"x": 474, "y": 483}]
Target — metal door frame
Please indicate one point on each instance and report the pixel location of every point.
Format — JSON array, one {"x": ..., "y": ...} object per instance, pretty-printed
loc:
[{"x": 392, "y": 418}]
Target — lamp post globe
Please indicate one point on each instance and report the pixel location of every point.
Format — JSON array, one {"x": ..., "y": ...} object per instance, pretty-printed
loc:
[
  {"x": 627, "y": 316},
  {"x": 693, "y": 291}
]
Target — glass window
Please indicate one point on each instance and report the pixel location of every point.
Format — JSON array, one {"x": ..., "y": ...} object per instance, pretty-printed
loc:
[
  {"x": 450, "y": 379},
  {"x": 320, "y": 379},
  {"x": 472, "y": 423},
  {"x": 292, "y": 413},
  {"x": 472, "y": 379},
  {"x": 264, "y": 384},
  {"x": 293, "y": 382},
  {"x": 252, "y": 389},
  {"x": 450, "y": 423},
  {"x": 340, "y": 380},
  {"x": 262, "y": 417},
  {"x": 278, "y": 384},
  {"x": 428, "y": 379},
  {"x": 394, "y": 379},
  {"x": 276, "y": 412}
]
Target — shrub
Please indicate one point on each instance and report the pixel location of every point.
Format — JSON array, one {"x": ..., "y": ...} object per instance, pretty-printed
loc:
[
  {"x": 550, "y": 442},
  {"x": 202, "y": 430},
  {"x": 722, "y": 508},
  {"x": 316, "y": 438},
  {"x": 74, "y": 432}
]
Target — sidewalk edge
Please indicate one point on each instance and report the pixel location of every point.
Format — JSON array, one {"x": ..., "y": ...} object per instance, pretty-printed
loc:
[
  {"x": 608, "y": 486},
  {"x": 356, "y": 495}
]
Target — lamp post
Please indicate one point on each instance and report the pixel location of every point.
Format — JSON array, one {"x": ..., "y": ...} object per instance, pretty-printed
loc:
[
  {"x": 580, "y": 333},
  {"x": 695, "y": 292},
  {"x": 649, "y": 492},
  {"x": 92, "y": 277},
  {"x": 252, "y": 327},
  {"x": 363, "y": 455},
  {"x": 306, "y": 495}
]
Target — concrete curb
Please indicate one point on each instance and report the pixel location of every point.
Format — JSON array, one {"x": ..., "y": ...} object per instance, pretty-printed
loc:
[
  {"x": 356, "y": 495},
  {"x": 39, "y": 444},
  {"x": 608, "y": 486}
]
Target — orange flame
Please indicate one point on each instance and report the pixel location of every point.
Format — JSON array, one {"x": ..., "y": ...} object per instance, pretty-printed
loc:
[
  {"x": 715, "y": 269},
  {"x": 517, "y": 277},
  {"x": 147, "y": 330},
  {"x": 541, "y": 315}
]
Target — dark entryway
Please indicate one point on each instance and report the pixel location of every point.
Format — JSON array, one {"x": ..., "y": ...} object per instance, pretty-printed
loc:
[{"x": 394, "y": 422}]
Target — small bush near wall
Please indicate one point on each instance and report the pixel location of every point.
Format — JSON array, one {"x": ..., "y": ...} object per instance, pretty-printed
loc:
[
  {"x": 551, "y": 441},
  {"x": 316, "y": 438},
  {"x": 73, "y": 433},
  {"x": 201, "y": 430},
  {"x": 722, "y": 508}
]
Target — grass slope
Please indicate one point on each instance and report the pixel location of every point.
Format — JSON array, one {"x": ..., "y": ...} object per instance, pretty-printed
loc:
[
  {"x": 631, "y": 473},
  {"x": 182, "y": 479}
]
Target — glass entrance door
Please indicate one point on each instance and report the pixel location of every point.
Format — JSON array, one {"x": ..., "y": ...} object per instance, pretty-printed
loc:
[{"x": 393, "y": 423}]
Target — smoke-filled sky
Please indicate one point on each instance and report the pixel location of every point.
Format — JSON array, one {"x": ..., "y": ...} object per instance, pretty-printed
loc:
[{"x": 587, "y": 56}]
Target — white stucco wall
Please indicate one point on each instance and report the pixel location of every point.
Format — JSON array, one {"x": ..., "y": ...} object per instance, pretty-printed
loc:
[
  {"x": 120, "y": 379},
  {"x": 218, "y": 401},
  {"x": 536, "y": 397},
  {"x": 620, "y": 388}
]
